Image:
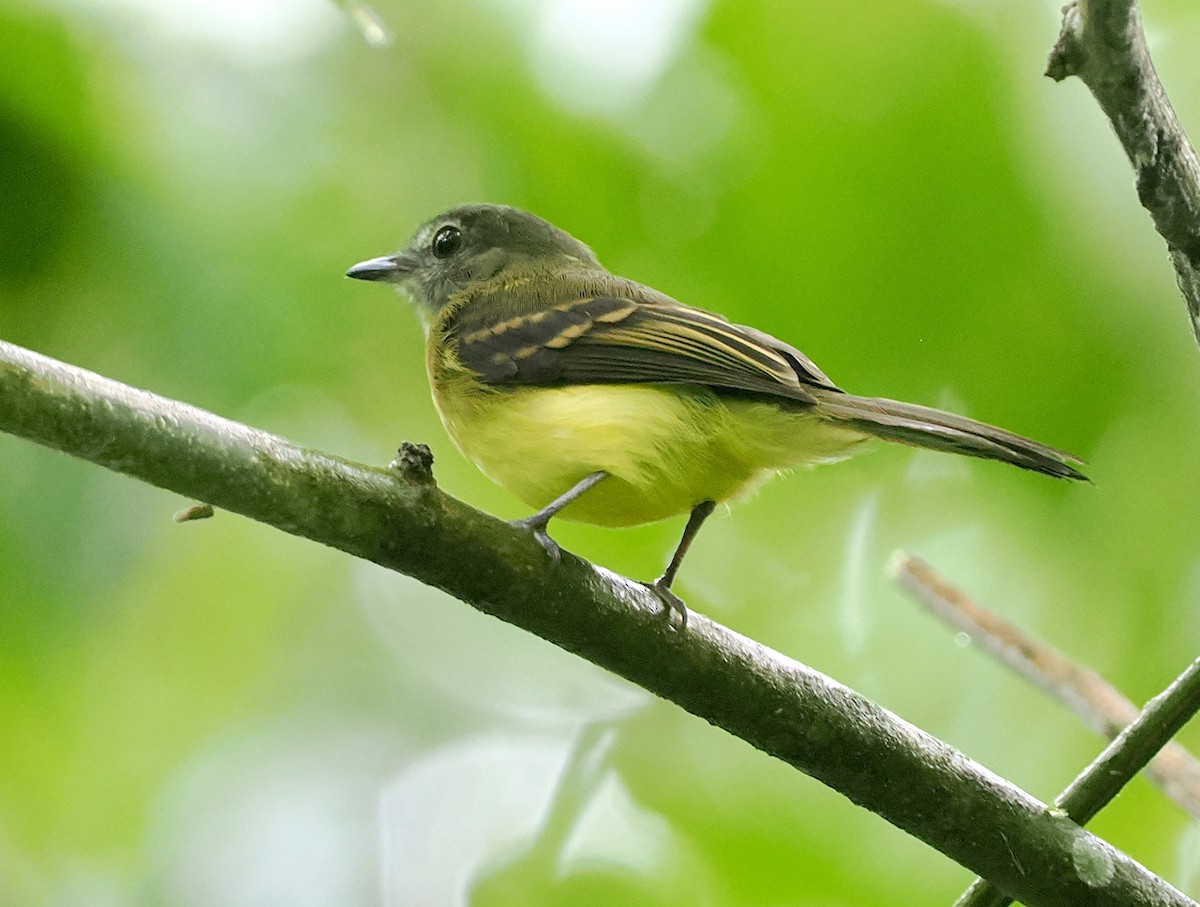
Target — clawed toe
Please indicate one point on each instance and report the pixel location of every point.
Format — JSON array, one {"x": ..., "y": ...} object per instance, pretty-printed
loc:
[
  {"x": 538, "y": 528},
  {"x": 671, "y": 601},
  {"x": 537, "y": 523}
]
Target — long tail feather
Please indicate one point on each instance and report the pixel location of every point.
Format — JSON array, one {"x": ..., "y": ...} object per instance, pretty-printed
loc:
[{"x": 923, "y": 426}]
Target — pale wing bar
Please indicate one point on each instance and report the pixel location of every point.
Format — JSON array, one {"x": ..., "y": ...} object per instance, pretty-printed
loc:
[{"x": 606, "y": 339}]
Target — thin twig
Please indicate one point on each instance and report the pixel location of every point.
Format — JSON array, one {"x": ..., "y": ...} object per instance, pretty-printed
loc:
[
  {"x": 195, "y": 512},
  {"x": 1098, "y": 703},
  {"x": 1137, "y": 745},
  {"x": 1101, "y": 781},
  {"x": 1102, "y": 43}
]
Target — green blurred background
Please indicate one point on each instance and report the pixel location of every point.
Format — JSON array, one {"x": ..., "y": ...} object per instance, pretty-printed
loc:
[{"x": 217, "y": 713}]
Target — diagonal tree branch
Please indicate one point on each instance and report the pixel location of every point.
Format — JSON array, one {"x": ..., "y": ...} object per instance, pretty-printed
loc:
[
  {"x": 399, "y": 518},
  {"x": 1138, "y": 736},
  {"x": 1098, "y": 703},
  {"x": 1102, "y": 43},
  {"x": 1101, "y": 781}
]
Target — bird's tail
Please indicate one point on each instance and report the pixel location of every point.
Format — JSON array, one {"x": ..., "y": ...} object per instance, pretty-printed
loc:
[{"x": 923, "y": 426}]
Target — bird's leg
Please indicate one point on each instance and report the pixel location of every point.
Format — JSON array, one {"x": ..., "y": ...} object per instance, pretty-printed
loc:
[
  {"x": 538, "y": 522},
  {"x": 662, "y": 585}
]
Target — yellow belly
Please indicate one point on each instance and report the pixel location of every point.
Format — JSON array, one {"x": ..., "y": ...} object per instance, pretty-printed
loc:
[{"x": 665, "y": 449}]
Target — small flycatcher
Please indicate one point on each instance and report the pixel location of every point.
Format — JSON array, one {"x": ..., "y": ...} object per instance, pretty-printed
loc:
[{"x": 592, "y": 397}]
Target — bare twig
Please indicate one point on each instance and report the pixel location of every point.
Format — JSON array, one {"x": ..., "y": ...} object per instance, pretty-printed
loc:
[
  {"x": 1099, "y": 704},
  {"x": 195, "y": 512},
  {"x": 399, "y": 519},
  {"x": 1101, "y": 781},
  {"x": 1102, "y": 43},
  {"x": 1139, "y": 743}
]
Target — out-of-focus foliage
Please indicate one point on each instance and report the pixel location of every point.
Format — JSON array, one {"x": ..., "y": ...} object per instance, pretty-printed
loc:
[{"x": 216, "y": 713}]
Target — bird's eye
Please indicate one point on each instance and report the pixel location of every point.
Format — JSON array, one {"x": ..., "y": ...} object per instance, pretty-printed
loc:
[{"x": 446, "y": 242}]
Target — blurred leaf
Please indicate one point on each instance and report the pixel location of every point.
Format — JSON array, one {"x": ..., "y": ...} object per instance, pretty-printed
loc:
[{"x": 45, "y": 136}]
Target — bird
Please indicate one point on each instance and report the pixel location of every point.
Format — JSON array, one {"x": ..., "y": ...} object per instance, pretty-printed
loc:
[{"x": 597, "y": 399}]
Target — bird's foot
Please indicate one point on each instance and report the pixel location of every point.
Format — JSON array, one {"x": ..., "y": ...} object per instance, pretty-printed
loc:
[
  {"x": 671, "y": 602},
  {"x": 537, "y": 524}
]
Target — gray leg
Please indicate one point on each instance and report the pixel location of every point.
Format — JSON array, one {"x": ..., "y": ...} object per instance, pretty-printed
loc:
[
  {"x": 662, "y": 585},
  {"x": 538, "y": 522}
]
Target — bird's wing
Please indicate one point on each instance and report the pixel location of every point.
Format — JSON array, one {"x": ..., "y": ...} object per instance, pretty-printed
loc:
[{"x": 608, "y": 339}]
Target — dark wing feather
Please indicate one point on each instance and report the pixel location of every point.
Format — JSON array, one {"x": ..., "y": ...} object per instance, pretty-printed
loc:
[{"x": 613, "y": 340}]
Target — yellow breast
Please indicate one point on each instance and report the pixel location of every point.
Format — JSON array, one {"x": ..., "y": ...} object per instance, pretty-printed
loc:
[{"x": 667, "y": 448}]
